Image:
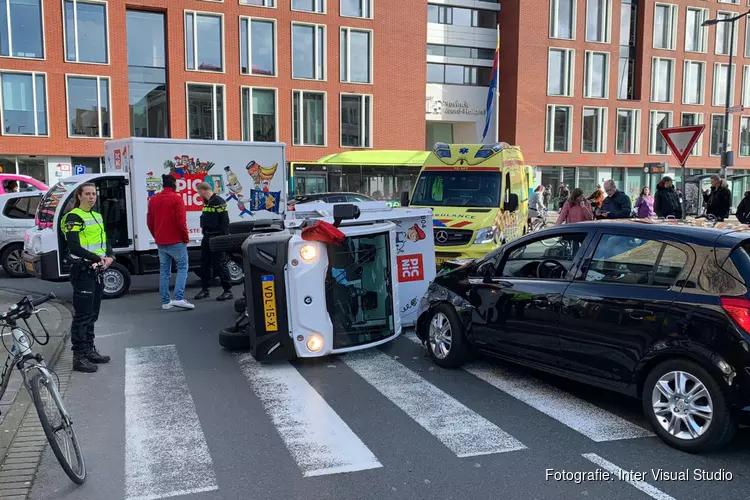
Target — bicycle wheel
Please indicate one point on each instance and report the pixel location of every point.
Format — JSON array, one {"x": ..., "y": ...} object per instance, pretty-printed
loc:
[{"x": 57, "y": 426}]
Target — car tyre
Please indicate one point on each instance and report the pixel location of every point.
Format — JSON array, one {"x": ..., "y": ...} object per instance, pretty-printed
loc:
[
  {"x": 12, "y": 261},
  {"x": 718, "y": 431},
  {"x": 116, "y": 281},
  {"x": 234, "y": 339},
  {"x": 446, "y": 340}
]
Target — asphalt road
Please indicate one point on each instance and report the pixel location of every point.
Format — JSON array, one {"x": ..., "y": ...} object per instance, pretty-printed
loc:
[{"x": 176, "y": 416}]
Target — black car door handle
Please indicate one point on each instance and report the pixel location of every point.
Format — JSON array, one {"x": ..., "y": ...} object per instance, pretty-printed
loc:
[
  {"x": 541, "y": 303},
  {"x": 639, "y": 313}
]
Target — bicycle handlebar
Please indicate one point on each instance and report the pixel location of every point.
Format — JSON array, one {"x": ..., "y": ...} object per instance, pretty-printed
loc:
[
  {"x": 41, "y": 300},
  {"x": 24, "y": 307}
]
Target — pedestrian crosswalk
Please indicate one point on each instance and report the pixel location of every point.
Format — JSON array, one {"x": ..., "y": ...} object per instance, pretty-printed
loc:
[{"x": 167, "y": 453}]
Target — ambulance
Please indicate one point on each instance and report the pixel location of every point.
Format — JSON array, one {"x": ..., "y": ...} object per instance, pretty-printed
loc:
[
  {"x": 479, "y": 195},
  {"x": 250, "y": 176}
]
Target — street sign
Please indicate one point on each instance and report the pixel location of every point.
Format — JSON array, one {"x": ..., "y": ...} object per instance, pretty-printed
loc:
[
  {"x": 737, "y": 109},
  {"x": 681, "y": 140},
  {"x": 79, "y": 169}
]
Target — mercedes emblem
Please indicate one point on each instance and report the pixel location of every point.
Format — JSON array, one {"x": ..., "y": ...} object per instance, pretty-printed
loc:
[{"x": 441, "y": 237}]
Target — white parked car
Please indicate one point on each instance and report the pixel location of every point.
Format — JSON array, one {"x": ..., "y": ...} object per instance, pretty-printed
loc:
[{"x": 17, "y": 214}]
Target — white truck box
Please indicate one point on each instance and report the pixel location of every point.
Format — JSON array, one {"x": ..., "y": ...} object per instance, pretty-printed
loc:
[{"x": 251, "y": 176}]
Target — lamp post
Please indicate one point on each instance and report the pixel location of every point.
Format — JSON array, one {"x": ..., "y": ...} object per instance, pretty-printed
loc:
[{"x": 725, "y": 158}]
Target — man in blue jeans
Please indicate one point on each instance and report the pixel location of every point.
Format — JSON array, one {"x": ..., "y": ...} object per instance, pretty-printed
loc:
[{"x": 167, "y": 222}]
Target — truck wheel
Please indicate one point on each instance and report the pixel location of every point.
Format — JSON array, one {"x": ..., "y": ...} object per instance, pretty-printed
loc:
[
  {"x": 116, "y": 281},
  {"x": 233, "y": 338},
  {"x": 12, "y": 261},
  {"x": 231, "y": 243},
  {"x": 236, "y": 272}
]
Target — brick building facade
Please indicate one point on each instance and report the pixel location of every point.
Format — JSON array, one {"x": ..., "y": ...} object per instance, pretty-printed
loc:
[
  {"x": 586, "y": 84},
  {"x": 93, "y": 70}
]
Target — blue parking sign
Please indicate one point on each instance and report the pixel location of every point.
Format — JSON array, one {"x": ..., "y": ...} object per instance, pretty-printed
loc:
[{"x": 79, "y": 169}]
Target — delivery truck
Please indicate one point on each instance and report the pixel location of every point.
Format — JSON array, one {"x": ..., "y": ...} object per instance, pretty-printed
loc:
[{"x": 250, "y": 176}]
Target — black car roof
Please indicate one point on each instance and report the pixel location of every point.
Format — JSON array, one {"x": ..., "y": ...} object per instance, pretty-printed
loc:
[{"x": 689, "y": 232}]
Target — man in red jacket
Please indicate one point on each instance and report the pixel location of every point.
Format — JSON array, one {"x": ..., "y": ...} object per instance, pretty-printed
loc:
[{"x": 167, "y": 222}]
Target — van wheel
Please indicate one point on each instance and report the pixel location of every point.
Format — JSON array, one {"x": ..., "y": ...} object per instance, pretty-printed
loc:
[
  {"x": 687, "y": 407},
  {"x": 234, "y": 338},
  {"x": 12, "y": 261},
  {"x": 446, "y": 341},
  {"x": 116, "y": 281}
]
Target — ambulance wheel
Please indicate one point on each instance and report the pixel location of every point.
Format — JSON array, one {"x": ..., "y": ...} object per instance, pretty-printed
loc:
[
  {"x": 231, "y": 243},
  {"x": 234, "y": 338},
  {"x": 116, "y": 281},
  {"x": 236, "y": 271},
  {"x": 240, "y": 305}
]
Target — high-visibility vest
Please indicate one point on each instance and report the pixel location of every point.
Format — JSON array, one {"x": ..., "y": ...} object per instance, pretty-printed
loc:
[{"x": 91, "y": 232}]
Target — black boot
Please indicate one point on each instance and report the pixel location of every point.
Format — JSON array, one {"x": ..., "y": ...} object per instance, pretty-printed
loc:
[
  {"x": 203, "y": 294},
  {"x": 82, "y": 364},
  {"x": 225, "y": 296},
  {"x": 95, "y": 356}
]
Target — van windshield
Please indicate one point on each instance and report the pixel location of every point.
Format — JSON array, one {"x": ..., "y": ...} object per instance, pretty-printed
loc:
[
  {"x": 458, "y": 189},
  {"x": 45, "y": 214}
]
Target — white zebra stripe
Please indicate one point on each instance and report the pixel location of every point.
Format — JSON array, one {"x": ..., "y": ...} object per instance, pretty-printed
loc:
[{"x": 623, "y": 475}]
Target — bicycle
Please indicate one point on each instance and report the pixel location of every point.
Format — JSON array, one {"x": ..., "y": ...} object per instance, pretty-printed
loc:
[
  {"x": 37, "y": 378},
  {"x": 540, "y": 221}
]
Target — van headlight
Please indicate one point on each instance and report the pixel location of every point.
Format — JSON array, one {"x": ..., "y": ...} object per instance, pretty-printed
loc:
[
  {"x": 486, "y": 235},
  {"x": 308, "y": 252},
  {"x": 314, "y": 342},
  {"x": 36, "y": 245}
]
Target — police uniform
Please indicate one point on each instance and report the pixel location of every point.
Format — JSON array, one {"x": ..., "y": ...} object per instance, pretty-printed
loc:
[
  {"x": 214, "y": 222},
  {"x": 87, "y": 243}
]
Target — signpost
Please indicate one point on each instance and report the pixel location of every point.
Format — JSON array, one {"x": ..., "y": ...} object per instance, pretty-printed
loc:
[
  {"x": 79, "y": 169},
  {"x": 681, "y": 141}
]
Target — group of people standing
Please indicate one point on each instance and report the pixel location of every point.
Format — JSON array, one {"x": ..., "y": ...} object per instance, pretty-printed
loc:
[{"x": 91, "y": 254}]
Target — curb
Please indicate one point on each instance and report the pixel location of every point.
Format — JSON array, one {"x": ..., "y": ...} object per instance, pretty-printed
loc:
[{"x": 27, "y": 442}]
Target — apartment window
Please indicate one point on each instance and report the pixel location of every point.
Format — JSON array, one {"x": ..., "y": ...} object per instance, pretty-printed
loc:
[
  {"x": 356, "y": 8},
  {"x": 308, "y": 118},
  {"x": 626, "y": 62},
  {"x": 744, "y": 149},
  {"x": 720, "y": 84},
  {"x": 723, "y": 36},
  {"x": 257, "y": 47},
  {"x": 147, "y": 74},
  {"x": 597, "y": 20},
  {"x": 456, "y": 74},
  {"x": 24, "y": 103},
  {"x": 85, "y": 26},
  {"x": 690, "y": 119},
  {"x": 659, "y": 120},
  {"x": 458, "y": 51},
  {"x": 665, "y": 26},
  {"x": 746, "y": 86},
  {"x": 558, "y": 130},
  {"x": 693, "y": 82},
  {"x": 205, "y": 104},
  {"x": 356, "y": 121},
  {"x": 317, "y": 6},
  {"x": 747, "y": 38},
  {"x": 258, "y": 114},
  {"x": 696, "y": 36},
  {"x": 562, "y": 19},
  {"x": 308, "y": 51},
  {"x": 204, "y": 42},
  {"x": 21, "y": 32},
  {"x": 733, "y": 2},
  {"x": 560, "y": 72},
  {"x": 662, "y": 76},
  {"x": 594, "y": 133},
  {"x": 628, "y": 126},
  {"x": 89, "y": 106},
  {"x": 717, "y": 134},
  {"x": 458, "y": 16},
  {"x": 259, "y": 3},
  {"x": 356, "y": 56},
  {"x": 596, "y": 81}
]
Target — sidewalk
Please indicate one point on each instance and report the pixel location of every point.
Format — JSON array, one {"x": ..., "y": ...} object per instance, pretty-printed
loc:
[{"x": 16, "y": 401}]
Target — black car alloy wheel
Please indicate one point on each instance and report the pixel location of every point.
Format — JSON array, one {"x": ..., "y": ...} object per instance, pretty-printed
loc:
[{"x": 446, "y": 342}]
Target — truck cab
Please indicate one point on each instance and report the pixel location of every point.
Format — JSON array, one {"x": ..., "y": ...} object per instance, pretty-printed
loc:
[{"x": 479, "y": 195}]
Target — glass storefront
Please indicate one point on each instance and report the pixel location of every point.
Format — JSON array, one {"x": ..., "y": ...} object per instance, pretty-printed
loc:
[
  {"x": 90, "y": 165},
  {"x": 33, "y": 166},
  {"x": 587, "y": 181}
]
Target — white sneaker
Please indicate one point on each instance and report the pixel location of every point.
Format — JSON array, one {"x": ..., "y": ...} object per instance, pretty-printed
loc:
[
  {"x": 166, "y": 306},
  {"x": 182, "y": 304}
]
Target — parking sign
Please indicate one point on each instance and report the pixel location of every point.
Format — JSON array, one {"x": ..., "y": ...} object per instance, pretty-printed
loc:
[{"x": 79, "y": 169}]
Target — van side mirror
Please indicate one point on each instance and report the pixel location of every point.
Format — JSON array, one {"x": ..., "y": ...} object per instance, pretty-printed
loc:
[
  {"x": 486, "y": 270},
  {"x": 512, "y": 204},
  {"x": 404, "y": 199}
]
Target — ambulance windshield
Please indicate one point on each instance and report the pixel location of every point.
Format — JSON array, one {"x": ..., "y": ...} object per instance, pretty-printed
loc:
[
  {"x": 359, "y": 295},
  {"x": 442, "y": 188},
  {"x": 45, "y": 213}
]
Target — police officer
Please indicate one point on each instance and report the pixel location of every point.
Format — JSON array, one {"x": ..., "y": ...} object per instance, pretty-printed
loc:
[
  {"x": 90, "y": 255},
  {"x": 214, "y": 222}
]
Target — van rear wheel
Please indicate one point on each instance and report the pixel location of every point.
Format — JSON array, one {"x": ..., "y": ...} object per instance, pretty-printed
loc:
[{"x": 116, "y": 281}]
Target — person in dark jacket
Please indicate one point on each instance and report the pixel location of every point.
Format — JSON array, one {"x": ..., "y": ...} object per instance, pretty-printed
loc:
[
  {"x": 666, "y": 201},
  {"x": 718, "y": 199},
  {"x": 167, "y": 221},
  {"x": 214, "y": 222},
  {"x": 616, "y": 205},
  {"x": 743, "y": 209}
]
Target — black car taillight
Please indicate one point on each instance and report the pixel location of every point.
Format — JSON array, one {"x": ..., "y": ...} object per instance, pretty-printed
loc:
[{"x": 739, "y": 309}]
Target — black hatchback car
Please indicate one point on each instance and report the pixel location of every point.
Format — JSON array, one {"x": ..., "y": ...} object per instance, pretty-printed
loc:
[{"x": 655, "y": 310}]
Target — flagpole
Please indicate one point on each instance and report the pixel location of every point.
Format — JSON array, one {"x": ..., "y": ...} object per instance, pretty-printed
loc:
[{"x": 497, "y": 89}]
